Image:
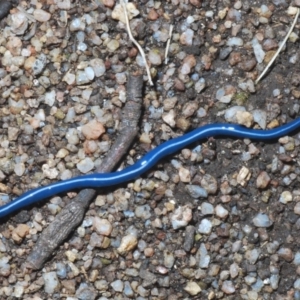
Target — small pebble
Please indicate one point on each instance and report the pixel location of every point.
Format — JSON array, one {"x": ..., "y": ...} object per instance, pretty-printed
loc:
[
  {"x": 263, "y": 180},
  {"x": 228, "y": 287},
  {"x": 181, "y": 217},
  {"x": 85, "y": 165},
  {"x": 93, "y": 130},
  {"x": 117, "y": 285},
  {"x": 192, "y": 288},
  {"x": 51, "y": 282},
  {"x": 286, "y": 197},
  {"x": 221, "y": 212},
  {"x": 207, "y": 209},
  {"x": 196, "y": 191},
  {"x": 102, "y": 226},
  {"x": 41, "y": 15},
  {"x": 258, "y": 51},
  {"x": 154, "y": 57},
  {"x": 205, "y": 226},
  {"x": 262, "y": 220},
  {"x": 128, "y": 243}
]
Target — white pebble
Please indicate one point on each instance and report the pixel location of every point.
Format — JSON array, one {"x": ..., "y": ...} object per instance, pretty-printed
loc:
[
  {"x": 89, "y": 73},
  {"x": 196, "y": 191},
  {"x": 200, "y": 85},
  {"x": 50, "y": 98},
  {"x": 286, "y": 197},
  {"x": 70, "y": 116},
  {"x": 66, "y": 174},
  {"x": 102, "y": 226},
  {"x": 82, "y": 77},
  {"x": 205, "y": 226},
  {"x": 63, "y": 4},
  {"x": 41, "y": 15},
  {"x": 258, "y": 51},
  {"x": 221, "y": 212},
  {"x": 276, "y": 92},
  {"x": 51, "y": 282},
  {"x": 203, "y": 257},
  {"x": 186, "y": 37},
  {"x": 230, "y": 114},
  {"x": 48, "y": 172},
  {"x": 19, "y": 169},
  {"x": 85, "y": 165},
  {"x": 252, "y": 255},
  {"x": 262, "y": 220},
  {"x": 69, "y": 78},
  {"x": 72, "y": 136},
  {"x": 121, "y": 78},
  {"x": 76, "y": 24},
  {"x": 98, "y": 65},
  {"x": 117, "y": 285},
  {"x": 154, "y": 57},
  {"x": 181, "y": 217},
  {"x": 235, "y": 41},
  {"x": 128, "y": 243},
  {"x": 169, "y": 118},
  {"x": 260, "y": 117},
  {"x": 207, "y": 209},
  {"x": 143, "y": 211},
  {"x": 113, "y": 45}
]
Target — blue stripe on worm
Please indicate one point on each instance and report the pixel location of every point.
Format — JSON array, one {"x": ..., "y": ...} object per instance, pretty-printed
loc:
[{"x": 98, "y": 180}]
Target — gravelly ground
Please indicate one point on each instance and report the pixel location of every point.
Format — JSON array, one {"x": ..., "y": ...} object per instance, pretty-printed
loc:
[{"x": 218, "y": 220}]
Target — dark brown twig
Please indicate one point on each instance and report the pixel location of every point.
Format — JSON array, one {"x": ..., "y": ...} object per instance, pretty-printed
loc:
[{"x": 71, "y": 216}]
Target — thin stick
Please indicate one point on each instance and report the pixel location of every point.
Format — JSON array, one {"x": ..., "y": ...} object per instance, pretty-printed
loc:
[
  {"x": 279, "y": 49},
  {"x": 136, "y": 43},
  {"x": 168, "y": 43},
  {"x": 72, "y": 214}
]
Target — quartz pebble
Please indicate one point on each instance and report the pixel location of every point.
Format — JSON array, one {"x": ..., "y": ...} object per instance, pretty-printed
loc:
[
  {"x": 244, "y": 118},
  {"x": 117, "y": 285},
  {"x": 260, "y": 117},
  {"x": 192, "y": 288},
  {"x": 196, "y": 191},
  {"x": 128, "y": 243},
  {"x": 184, "y": 174},
  {"x": 258, "y": 51},
  {"x": 51, "y": 282},
  {"x": 181, "y": 217},
  {"x": 202, "y": 256},
  {"x": 205, "y": 226},
  {"x": 85, "y": 165},
  {"x": 235, "y": 41},
  {"x": 186, "y": 37},
  {"x": 228, "y": 287},
  {"x": 207, "y": 208},
  {"x": 143, "y": 211},
  {"x": 19, "y": 169},
  {"x": 286, "y": 197},
  {"x": 262, "y": 220},
  {"x": 230, "y": 113},
  {"x": 209, "y": 183},
  {"x": 102, "y": 226},
  {"x": 221, "y": 212},
  {"x": 154, "y": 57}
]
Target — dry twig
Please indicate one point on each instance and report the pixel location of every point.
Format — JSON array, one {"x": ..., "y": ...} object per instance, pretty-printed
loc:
[
  {"x": 136, "y": 43},
  {"x": 71, "y": 215},
  {"x": 279, "y": 49},
  {"x": 168, "y": 43}
]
